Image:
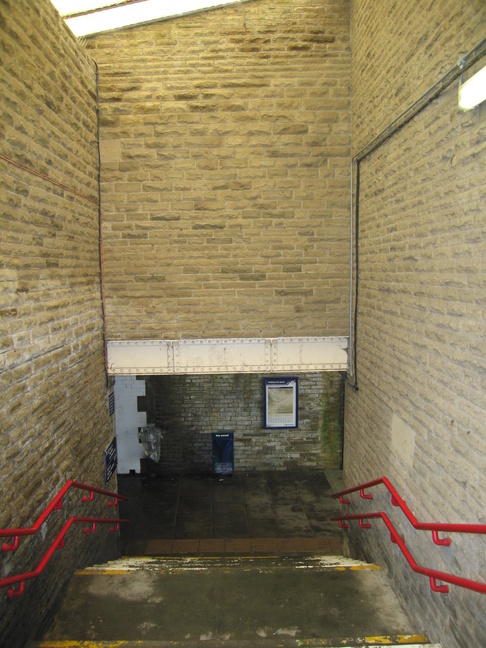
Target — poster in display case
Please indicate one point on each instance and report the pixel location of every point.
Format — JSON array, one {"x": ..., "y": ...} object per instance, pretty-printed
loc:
[{"x": 281, "y": 402}]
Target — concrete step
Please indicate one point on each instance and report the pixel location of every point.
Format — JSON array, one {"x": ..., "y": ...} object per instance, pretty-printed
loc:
[
  {"x": 384, "y": 641},
  {"x": 230, "y": 602}
]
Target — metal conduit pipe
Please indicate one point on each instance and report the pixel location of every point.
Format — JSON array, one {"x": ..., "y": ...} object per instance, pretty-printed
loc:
[
  {"x": 351, "y": 285},
  {"x": 467, "y": 61}
]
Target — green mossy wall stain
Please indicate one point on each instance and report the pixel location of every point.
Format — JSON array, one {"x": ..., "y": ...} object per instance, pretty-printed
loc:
[{"x": 332, "y": 423}]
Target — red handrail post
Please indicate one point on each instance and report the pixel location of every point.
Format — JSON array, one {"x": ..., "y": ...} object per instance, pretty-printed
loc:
[
  {"x": 91, "y": 528},
  {"x": 16, "y": 591},
  {"x": 11, "y": 546},
  {"x": 364, "y": 495},
  {"x": 444, "y": 542},
  {"x": 442, "y": 589}
]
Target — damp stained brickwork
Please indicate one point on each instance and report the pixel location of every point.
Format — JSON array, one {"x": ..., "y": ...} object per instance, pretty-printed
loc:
[{"x": 188, "y": 409}]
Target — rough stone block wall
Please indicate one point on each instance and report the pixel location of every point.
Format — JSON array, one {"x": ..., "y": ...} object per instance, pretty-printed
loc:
[
  {"x": 418, "y": 416},
  {"x": 54, "y": 415},
  {"x": 225, "y": 166},
  {"x": 189, "y": 409}
]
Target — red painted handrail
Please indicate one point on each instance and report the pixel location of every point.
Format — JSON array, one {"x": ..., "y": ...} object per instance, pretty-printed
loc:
[
  {"x": 57, "y": 544},
  {"x": 435, "y": 527},
  {"x": 55, "y": 505},
  {"x": 433, "y": 574}
]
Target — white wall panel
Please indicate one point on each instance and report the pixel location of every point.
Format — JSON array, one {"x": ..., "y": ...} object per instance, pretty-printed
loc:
[{"x": 127, "y": 421}]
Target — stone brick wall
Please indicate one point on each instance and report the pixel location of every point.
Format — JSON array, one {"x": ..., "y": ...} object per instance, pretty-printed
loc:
[
  {"x": 225, "y": 162},
  {"x": 225, "y": 166},
  {"x": 54, "y": 416},
  {"x": 419, "y": 414},
  {"x": 189, "y": 408}
]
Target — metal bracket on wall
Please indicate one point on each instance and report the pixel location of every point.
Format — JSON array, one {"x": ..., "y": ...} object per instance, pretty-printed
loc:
[{"x": 232, "y": 355}]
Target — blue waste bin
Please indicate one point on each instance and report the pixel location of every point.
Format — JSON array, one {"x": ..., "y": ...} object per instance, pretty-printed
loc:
[{"x": 223, "y": 454}]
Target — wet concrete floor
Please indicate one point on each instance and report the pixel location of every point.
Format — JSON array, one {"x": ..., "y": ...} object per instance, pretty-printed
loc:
[
  {"x": 235, "y": 562},
  {"x": 292, "y": 601},
  {"x": 251, "y": 512}
]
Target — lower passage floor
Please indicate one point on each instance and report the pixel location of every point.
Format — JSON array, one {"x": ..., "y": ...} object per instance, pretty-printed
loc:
[{"x": 242, "y": 513}]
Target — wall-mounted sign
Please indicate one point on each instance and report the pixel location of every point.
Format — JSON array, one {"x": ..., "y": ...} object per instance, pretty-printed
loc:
[
  {"x": 110, "y": 460},
  {"x": 281, "y": 402}
]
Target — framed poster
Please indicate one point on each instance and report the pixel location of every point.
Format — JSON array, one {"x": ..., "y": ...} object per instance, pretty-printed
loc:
[{"x": 281, "y": 402}]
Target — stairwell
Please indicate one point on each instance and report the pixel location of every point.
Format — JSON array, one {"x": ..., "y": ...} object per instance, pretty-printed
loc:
[{"x": 252, "y": 561}]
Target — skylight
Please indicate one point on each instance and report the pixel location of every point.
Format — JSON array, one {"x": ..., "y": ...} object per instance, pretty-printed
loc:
[{"x": 87, "y": 17}]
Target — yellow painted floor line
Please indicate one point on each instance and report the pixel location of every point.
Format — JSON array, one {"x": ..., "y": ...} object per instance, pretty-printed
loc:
[
  {"x": 368, "y": 642},
  {"x": 88, "y": 644},
  {"x": 105, "y": 572},
  {"x": 129, "y": 564},
  {"x": 413, "y": 641},
  {"x": 399, "y": 639}
]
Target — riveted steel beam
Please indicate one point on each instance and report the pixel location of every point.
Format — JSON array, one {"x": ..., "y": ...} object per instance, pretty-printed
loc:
[{"x": 227, "y": 355}]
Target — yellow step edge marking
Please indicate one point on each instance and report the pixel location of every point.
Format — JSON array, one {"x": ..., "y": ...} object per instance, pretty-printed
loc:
[
  {"x": 105, "y": 572},
  {"x": 124, "y": 572},
  {"x": 88, "y": 644},
  {"x": 398, "y": 639},
  {"x": 354, "y": 567},
  {"x": 388, "y": 640},
  {"x": 364, "y": 641}
]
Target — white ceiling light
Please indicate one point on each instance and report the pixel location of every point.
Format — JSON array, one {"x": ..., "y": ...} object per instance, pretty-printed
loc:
[
  {"x": 473, "y": 91},
  {"x": 105, "y": 15}
]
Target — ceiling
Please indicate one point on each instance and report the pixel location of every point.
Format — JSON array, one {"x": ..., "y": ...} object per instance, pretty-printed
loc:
[{"x": 89, "y": 17}]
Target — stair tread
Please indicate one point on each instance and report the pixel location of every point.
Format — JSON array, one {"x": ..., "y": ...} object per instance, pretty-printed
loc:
[
  {"x": 154, "y": 563},
  {"x": 316, "y": 643},
  {"x": 250, "y": 600}
]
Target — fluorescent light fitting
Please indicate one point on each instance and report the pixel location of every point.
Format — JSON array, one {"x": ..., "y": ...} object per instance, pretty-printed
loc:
[
  {"x": 137, "y": 13},
  {"x": 473, "y": 91}
]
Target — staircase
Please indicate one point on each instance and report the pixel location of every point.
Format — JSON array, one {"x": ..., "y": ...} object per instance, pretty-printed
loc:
[{"x": 310, "y": 601}]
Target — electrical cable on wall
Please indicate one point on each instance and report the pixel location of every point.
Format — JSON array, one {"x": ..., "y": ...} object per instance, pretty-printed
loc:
[
  {"x": 94, "y": 201},
  {"x": 47, "y": 178}
]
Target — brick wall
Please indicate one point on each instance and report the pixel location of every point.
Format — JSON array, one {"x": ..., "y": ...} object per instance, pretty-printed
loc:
[
  {"x": 189, "y": 408},
  {"x": 225, "y": 165},
  {"x": 225, "y": 188},
  {"x": 419, "y": 414},
  {"x": 54, "y": 417}
]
